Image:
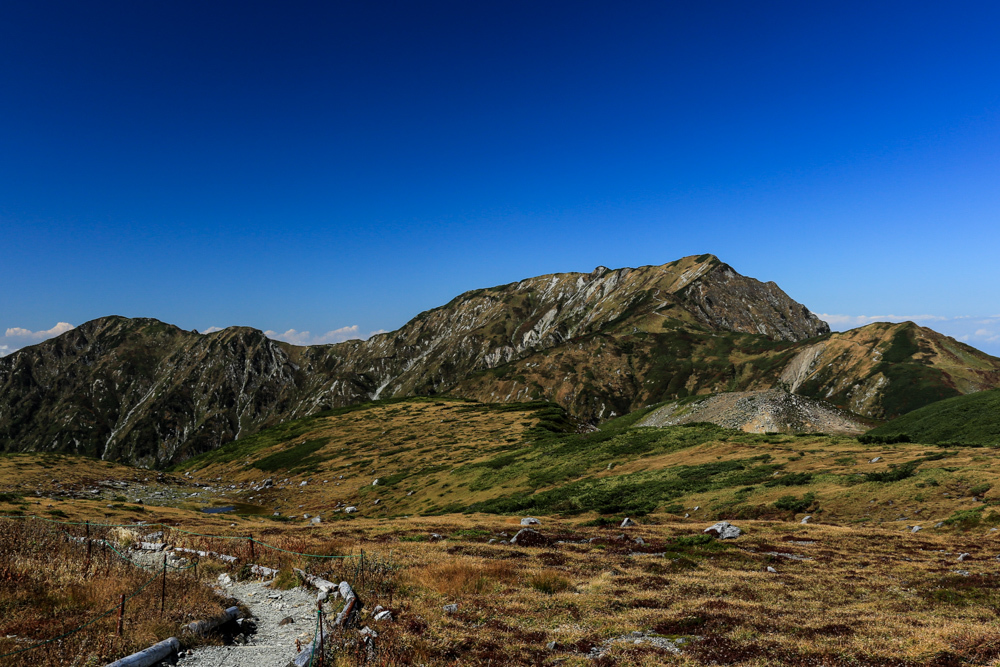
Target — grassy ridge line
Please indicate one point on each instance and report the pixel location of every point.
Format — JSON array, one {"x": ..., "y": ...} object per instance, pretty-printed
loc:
[{"x": 973, "y": 419}]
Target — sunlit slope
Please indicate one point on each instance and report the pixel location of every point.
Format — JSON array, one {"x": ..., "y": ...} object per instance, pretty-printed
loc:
[
  {"x": 971, "y": 419},
  {"x": 433, "y": 457}
]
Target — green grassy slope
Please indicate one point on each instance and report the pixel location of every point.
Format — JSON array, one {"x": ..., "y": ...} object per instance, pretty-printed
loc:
[{"x": 969, "y": 419}]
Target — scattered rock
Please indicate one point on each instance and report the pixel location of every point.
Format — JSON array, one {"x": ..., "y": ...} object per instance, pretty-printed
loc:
[
  {"x": 530, "y": 521},
  {"x": 552, "y": 645},
  {"x": 436, "y": 537},
  {"x": 384, "y": 615},
  {"x": 350, "y": 510},
  {"x": 805, "y": 519},
  {"x": 316, "y": 519},
  {"x": 286, "y": 620},
  {"x": 939, "y": 524},
  {"x": 963, "y": 557},
  {"x": 375, "y": 483},
  {"x": 304, "y": 482},
  {"x": 640, "y": 541},
  {"x": 723, "y": 531},
  {"x": 627, "y": 523},
  {"x": 225, "y": 579},
  {"x": 916, "y": 529},
  {"x": 771, "y": 570},
  {"x": 876, "y": 459},
  {"x": 451, "y": 609}
]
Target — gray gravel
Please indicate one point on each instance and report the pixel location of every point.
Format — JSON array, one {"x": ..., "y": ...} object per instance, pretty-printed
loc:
[{"x": 272, "y": 645}]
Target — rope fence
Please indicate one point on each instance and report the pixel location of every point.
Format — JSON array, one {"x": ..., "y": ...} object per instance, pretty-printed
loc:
[
  {"x": 160, "y": 574},
  {"x": 246, "y": 538}
]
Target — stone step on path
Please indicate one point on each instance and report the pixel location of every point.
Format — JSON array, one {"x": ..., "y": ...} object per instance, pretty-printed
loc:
[{"x": 273, "y": 644}]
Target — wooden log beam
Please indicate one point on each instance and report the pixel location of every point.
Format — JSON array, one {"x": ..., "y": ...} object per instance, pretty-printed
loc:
[{"x": 151, "y": 655}]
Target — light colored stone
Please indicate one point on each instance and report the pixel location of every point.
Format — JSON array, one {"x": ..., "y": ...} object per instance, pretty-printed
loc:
[{"x": 723, "y": 531}]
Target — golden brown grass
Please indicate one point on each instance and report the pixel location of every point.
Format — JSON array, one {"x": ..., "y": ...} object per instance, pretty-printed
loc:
[{"x": 48, "y": 587}]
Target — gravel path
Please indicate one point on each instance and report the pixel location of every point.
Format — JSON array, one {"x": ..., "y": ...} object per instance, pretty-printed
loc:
[{"x": 272, "y": 645}]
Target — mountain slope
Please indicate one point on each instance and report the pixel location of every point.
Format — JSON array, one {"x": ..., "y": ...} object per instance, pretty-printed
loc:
[
  {"x": 973, "y": 419},
  {"x": 599, "y": 344}
]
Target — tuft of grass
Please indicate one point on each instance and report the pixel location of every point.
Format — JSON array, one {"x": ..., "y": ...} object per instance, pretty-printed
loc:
[{"x": 549, "y": 582}]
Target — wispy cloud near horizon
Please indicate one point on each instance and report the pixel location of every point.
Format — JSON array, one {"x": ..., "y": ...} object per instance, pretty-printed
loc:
[
  {"x": 295, "y": 337},
  {"x": 15, "y": 338}
]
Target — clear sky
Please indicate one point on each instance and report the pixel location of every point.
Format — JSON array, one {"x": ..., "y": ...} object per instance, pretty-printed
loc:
[{"x": 337, "y": 167}]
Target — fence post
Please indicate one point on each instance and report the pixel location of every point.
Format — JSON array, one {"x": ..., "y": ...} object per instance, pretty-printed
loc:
[
  {"x": 250, "y": 538},
  {"x": 362, "y": 567},
  {"x": 319, "y": 614},
  {"x": 88, "y": 541},
  {"x": 121, "y": 614},
  {"x": 163, "y": 588}
]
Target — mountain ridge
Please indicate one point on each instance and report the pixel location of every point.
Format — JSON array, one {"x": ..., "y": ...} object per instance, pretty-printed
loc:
[{"x": 599, "y": 344}]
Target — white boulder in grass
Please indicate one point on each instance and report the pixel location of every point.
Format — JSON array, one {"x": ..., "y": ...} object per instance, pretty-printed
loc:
[
  {"x": 530, "y": 521},
  {"x": 723, "y": 531}
]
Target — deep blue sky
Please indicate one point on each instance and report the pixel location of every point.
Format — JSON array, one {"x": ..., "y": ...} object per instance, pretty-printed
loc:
[{"x": 325, "y": 165}]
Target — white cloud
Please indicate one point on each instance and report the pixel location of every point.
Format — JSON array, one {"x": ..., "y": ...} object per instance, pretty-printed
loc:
[
  {"x": 296, "y": 337},
  {"x": 15, "y": 338},
  {"x": 18, "y": 332}
]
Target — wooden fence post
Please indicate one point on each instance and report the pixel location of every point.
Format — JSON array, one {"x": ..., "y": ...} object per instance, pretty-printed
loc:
[
  {"x": 121, "y": 615},
  {"x": 250, "y": 538},
  {"x": 163, "y": 588},
  {"x": 319, "y": 614}
]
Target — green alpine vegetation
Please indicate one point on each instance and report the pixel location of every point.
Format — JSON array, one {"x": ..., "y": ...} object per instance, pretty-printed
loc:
[{"x": 973, "y": 419}]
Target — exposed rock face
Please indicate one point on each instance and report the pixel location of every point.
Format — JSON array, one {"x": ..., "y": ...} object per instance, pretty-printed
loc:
[
  {"x": 142, "y": 391},
  {"x": 600, "y": 344}
]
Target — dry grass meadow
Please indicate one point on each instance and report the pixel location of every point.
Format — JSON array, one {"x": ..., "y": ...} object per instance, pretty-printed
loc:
[{"x": 853, "y": 587}]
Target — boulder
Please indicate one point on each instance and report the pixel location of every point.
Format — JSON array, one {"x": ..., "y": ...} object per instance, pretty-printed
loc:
[
  {"x": 526, "y": 537},
  {"x": 628, "y": 523},
  {"x": 530, "y": 521},
  {"x": 723, "y": 531},
  {"x": 350, "y": 510},
  {"x": 964, "y": 557},
  {"x": 806, "y": 519},
  {"x": 451, "y": 608}
]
